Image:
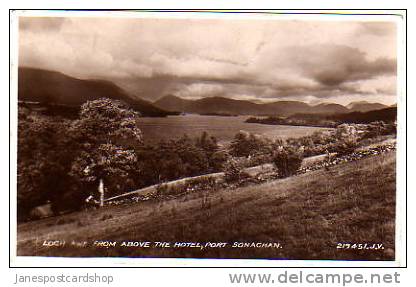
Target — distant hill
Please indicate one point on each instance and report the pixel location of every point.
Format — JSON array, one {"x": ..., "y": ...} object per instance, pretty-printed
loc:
[
  {"x": 386, "y": 115},
  {"x": 172, "y": 103},
  {"x": 208, "y": 105},
  {"x": 223, "y": 105},
  {"x": 286, "y": 108},
  {"x": 329, "y": 108},
  {"x": 50, "y": 87},
  {"x": 54, "y": 88},
  {"x": 364, "y": 106},
  {"x": 211, "y": 105}
]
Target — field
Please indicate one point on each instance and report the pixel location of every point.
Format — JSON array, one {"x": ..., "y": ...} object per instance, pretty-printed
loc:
[
  {"x": 223, "y": 128},
  {"x": 307, "y": 214}
]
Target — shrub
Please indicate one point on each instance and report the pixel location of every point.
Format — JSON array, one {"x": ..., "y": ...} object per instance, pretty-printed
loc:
[
  {"x": 234, "y": 171},
  {"x": 314, "y": 144},
  {"x": 344, "y": 147},
  {"x": 378, "y": 128},
  {"x": 177, "y": 158},
  {"x": 246, "y": 144},
  {"x": 287, "y": 160}
]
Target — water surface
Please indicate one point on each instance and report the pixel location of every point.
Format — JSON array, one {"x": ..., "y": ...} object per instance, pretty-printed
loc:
[{"x": 223, "y": 128}]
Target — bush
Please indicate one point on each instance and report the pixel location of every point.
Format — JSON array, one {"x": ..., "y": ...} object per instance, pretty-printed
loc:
[
  {"x": 314, "y": 144},
  {"x": 379, "y": 128},
  {"x": 234, "y": 171},
  {"x": 344, "y": 147},
  {"x": 177, "y": 158},
  {"x": 246, "y": 144},
  {"x": 287, "y": 160}
]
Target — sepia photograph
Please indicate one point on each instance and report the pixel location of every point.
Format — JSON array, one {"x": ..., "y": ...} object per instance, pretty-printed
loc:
[{"x": 203, "y": 135}]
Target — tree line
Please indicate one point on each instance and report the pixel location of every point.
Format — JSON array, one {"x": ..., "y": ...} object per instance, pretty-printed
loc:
[{"x": 63, "y": 161}]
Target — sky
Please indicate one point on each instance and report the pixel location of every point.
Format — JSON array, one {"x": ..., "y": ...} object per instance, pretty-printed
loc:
[{"x": 257, "y": 60}]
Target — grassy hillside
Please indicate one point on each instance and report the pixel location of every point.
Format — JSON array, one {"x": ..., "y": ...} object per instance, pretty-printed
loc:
[{"x": 307, "y": 214}]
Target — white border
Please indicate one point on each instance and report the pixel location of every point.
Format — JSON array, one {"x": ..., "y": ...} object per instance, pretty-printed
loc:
[{"x": 21, "y": 261}]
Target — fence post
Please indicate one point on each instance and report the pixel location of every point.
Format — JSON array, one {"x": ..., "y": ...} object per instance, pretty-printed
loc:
[{"x": 101, "y": 191}]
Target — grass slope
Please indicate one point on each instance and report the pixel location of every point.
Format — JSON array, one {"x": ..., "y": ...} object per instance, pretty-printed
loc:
[{"x": 308, "y": 214}]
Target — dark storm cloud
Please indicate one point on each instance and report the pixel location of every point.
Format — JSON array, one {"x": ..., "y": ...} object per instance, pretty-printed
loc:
[
  {"x": 333, "y": 68},
  {"x": 355, "y": 71},
  {"x": 261, "y": 60},
  {"x": 332, "y": 65},
  {"x": 194, "y": 88}
]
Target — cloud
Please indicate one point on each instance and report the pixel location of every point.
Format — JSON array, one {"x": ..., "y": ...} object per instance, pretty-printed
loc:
[
  {"x": 199, "y": 90},
  {"x": 332, "y": 65},
  {"x": 257, "y": 59}
]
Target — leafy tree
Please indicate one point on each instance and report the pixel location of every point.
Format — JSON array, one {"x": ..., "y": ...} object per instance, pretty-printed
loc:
[
  {"x": 110, "y": 163},
  {"x": 61, "y": 161},
  {"x": 107, "y": 132},
  {"x": 107, "y": 121},
  {"x": 42, "y": 166}
]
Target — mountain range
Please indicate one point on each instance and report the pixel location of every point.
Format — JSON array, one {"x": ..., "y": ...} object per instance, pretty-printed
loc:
[
  {"x": 50, "y": 87},
  {"x": 282, "y": 108},
  {"x": 55, "y": 88}
]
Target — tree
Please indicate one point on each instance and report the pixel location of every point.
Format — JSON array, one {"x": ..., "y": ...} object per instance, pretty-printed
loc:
[
  {"x": 107, "y": 132},
  {"x": 107, "y": 121},
  {"x": 42, "y": 166},
  {"x": 60, "y": 160},
  {"x": 107, "y": 163}
]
